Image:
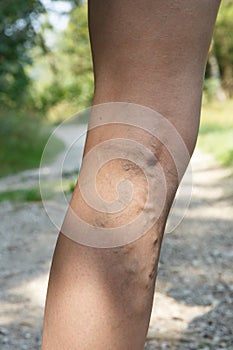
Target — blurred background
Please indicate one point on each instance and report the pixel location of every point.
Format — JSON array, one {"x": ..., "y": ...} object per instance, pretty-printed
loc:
[{"x": 45, "y": 77}]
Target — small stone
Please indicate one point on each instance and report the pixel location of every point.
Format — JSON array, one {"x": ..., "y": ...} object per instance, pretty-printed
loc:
[
  {"x": 27, "y": 335},
  {"x": 220, "y": 288},
  {"x": 5, "y": 340},
  {"x": 25, "y": 347},
  {"x": 4, "y": 331},
  {"x": 223, "y": 345}
]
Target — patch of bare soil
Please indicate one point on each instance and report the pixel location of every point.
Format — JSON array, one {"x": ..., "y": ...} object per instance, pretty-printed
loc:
[{"x": 193, "y": 305}]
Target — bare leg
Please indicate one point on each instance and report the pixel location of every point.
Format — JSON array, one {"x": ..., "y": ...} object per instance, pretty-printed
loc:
[{"x": 151, "y": 53}]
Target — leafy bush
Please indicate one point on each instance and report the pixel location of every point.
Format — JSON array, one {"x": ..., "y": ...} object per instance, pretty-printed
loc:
[{"x": 22, "y": 140}]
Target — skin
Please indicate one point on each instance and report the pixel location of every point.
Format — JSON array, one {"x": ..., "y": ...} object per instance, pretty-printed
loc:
[{"x": 151, "y": 53}]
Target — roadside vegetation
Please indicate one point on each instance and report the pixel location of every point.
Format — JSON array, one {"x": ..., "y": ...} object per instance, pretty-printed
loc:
[
  {"x": 46, "y": 76},
  {"x": 216, "y": 131},
  {"x": 22, "y": 139}
]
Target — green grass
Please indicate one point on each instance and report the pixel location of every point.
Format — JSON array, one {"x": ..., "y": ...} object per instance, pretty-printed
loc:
[
  {"x": 16, "y": 157},
  {"x": 216, "y": 131},
  {"x": 64, "y": 110},
  {"x": 27, "y": 195},
  {"x": 33, "y": 194},
  {"x": 22, "y": 140},
  {"x": 55, "y": 147}
]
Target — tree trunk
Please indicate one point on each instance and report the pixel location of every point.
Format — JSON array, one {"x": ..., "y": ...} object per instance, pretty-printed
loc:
[{"x": 216, "y": 76}]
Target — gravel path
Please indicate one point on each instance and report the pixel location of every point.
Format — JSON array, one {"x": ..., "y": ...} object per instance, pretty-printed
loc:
[{"x": 193, "y": 305}]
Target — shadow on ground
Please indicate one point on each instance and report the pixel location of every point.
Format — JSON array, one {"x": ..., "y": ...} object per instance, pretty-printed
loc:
[
  {"x": 193, "y": 306},
  {"x": 194, "y": 294}
]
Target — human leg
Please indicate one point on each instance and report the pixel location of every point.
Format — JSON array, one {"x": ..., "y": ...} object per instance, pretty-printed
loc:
[{"x": 150, "y": 53}]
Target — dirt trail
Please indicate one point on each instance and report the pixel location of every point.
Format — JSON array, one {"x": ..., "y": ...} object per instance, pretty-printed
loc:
[{"x": 194, "y": 295}]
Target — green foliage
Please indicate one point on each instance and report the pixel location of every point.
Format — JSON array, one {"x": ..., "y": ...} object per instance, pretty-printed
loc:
[
  {"x": 223, "y": 39},
  {"x": 76, "y": 52},
  {"x": 33, "y": 194},
  {"x": 22, "y": 140},
  {"x": 26, "y": 195},
  {"x": 64, "y": 82},
  {"x": 17, "y": 36},
  {"x": 22, "y": 135},
  {"x": 71, "y": 89},
  {"x": 220, "y": 144},
  {"x": 210, "y": 89},
  {"x": 71, "y": 187},
  {"x": 216, "y": 131}
]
